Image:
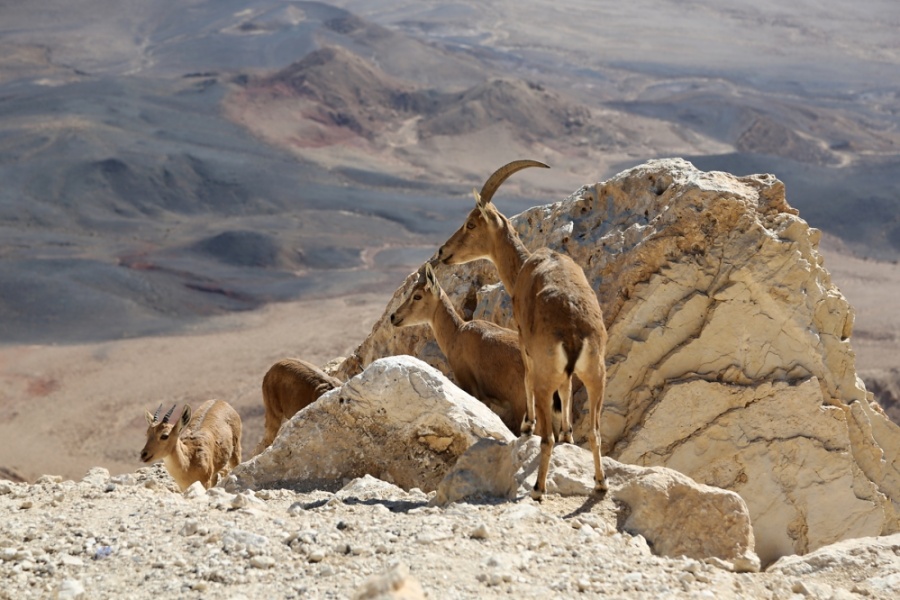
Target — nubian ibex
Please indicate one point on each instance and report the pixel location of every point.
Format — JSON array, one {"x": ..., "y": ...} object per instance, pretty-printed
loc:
[
  {"x": 561, "y": 328},
  {"x": 484, "y": 357},
  {"x": 198, "y": 447},
  {"x": 289, "y": 385}
]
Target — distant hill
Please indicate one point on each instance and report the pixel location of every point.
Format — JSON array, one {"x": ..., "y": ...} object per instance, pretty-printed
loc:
[{"x": 164, "y": 162}]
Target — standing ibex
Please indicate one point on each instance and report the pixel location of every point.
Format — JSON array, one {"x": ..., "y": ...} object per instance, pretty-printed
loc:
[
  {"x": 484, "y": 357},
  {"x": 561, "y": 329},
  {"x": 289, "y": 385},
  {"x": 198, "y": 448}
]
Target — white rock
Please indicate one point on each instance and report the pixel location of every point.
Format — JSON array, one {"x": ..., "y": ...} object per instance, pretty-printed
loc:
[
  {"x": 69, "y": 589},
  {"x": 400, "y": 421}
]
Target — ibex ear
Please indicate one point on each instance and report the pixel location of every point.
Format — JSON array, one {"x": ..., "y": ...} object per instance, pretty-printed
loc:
[
  {"x": 150, "y": 418},
  {"x": 431, "y": 280},
  {"x": 185, "y": 417},
  {"x": 480, "y": 204}
]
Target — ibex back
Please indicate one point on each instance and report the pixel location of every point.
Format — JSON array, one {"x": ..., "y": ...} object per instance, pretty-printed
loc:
[{"x": 288, "y": 386}]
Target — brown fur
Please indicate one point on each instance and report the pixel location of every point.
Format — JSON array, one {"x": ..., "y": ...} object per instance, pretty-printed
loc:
[
  {"x": 288, "y": 386},
  {"x": 561, "y": 328},
  {"x": 204, "y": 447},
  {"x": 484, "y": 357}
]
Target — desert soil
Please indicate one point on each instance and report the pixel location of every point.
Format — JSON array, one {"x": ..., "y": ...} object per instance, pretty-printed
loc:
[{"x": 134, "y": 536}]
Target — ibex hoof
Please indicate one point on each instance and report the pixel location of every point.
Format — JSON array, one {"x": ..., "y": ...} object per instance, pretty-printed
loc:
[
  {"x": 600, "y": 487},
  {"x": 537, "y": 495},
  {"x": 566, "y": 438},
  {"x": 527, "y": 428}
]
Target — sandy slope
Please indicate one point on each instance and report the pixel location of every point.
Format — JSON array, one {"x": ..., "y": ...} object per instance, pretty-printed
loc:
[{"x": 64, "y": 409}]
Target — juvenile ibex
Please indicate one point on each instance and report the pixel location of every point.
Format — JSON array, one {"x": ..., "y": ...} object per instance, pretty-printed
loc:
[
  {"x": 484, "y": 357},
  {"x": 195, "y": 448},
  {"x": 561, "y": 329},
  {"x": 289, "y": 385}
]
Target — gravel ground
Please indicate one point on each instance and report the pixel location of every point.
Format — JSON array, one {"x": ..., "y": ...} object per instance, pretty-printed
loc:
[{"x": 135, "y": 536}]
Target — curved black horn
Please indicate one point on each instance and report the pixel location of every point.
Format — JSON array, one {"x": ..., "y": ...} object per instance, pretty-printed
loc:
[
  {"x": 503, "y": 173},
  {"x": 168, "y": 414},
  {"x": 156, "y": 414}
]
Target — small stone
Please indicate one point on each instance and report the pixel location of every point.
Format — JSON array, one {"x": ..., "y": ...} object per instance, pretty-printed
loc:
[
  {"x": 194, "y": 491},
  {"x": 190, "y": 527},
  {"x": 70, "y": 589},
  {"x": 97, "y": 477},
  {"x": 71, "y": 561},
  {"x": 262, "y": 562},
  {"x": 481, "y": 532},
  {"x": 48, "y": 479}
]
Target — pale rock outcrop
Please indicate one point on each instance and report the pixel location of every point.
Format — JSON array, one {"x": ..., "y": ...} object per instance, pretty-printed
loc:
[
  {"x": 400, "y": 421},
  {"x": 875, "y": 563},
  {"x": 676, "y": 515},
  {"x": 729, "y": 354}
]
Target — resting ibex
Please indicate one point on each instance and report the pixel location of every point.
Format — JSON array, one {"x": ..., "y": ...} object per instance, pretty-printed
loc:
[
  {"x": 484, "y": 357},
  {"x": 561, "y": 329},
  {"x": 195, "y": 448},
  {"x": 289, "y": 385}
]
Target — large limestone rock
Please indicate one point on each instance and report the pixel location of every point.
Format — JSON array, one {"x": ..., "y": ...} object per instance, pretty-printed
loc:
[
  {"x": 677, "y": 516},
  {"x": 874, "y": 563},
  {"x": 400, "y": 421},
  {"x": 729, "y": 354}
]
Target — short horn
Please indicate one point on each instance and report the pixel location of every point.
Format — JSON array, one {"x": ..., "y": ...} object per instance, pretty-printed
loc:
[
  {"x": 168, "y": 414},
  {"x": 156, "y": 414},
  {"x": 503, "y": 173}
]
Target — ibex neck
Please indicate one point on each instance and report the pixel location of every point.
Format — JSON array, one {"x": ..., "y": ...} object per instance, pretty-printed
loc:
[
  {"x": 177, "y": 462},
  {"x": 509, "y": 256},
  {"x": 445, "y": 323}
]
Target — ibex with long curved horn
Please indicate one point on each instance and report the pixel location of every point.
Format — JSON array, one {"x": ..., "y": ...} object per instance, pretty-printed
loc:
[
  {"x": 195, "y": 448},
  {"x": 561, "y": 329}
]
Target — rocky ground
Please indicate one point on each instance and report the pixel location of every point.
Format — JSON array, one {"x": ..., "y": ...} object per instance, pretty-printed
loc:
[{"x": 135, "y": 536}]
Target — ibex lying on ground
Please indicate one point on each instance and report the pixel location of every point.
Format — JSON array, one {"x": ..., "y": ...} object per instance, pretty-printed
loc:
[
  {"x": 561, "y": 329},
  {"x": 195, "y": 448},
  {"x": 289, "y": 385},
  {"x": 484, "y": 357}
]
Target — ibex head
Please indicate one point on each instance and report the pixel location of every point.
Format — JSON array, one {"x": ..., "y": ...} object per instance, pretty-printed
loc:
[
  {"x": 421, "y": 303},
  {"x": 475, "y": 239},
  {"x": 162, "y": 435}
]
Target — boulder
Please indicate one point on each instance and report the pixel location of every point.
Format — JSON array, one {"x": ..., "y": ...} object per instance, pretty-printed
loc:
[
  {"x": 676, "y": 515},
  {"x": 874, "y": 563},
  {"x": 729, "y": 355},
  {"x": 400, "y": 420}
]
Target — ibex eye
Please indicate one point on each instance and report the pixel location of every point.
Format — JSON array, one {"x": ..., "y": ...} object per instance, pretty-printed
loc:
[
  {"x": 470, "y": 225},
  {"x": 417, "y": 297},
  {"x": 164, "y": 436}
]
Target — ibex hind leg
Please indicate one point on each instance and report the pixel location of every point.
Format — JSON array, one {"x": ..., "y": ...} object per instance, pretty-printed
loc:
[
  {"x": 565, "y": 413},
  {"x": 594, "y": 379},
  {"x": 528, "y": 423},
  {"x": 544, "y": 408}
]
